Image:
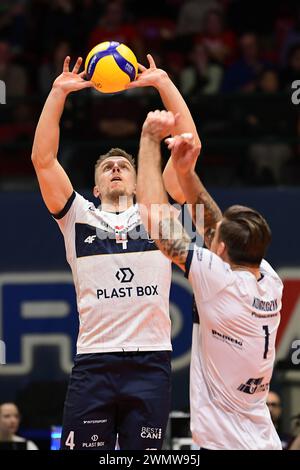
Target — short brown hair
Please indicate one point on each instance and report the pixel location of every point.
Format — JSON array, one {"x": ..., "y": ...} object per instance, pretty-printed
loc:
[
  {"x": 115, "y": 152},
  {"x": 246, "y": 235}
]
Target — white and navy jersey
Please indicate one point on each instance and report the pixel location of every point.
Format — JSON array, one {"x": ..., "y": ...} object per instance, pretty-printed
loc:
[
  {"x": 233, "y": 353},
  {"x": 122, "y": 280}
]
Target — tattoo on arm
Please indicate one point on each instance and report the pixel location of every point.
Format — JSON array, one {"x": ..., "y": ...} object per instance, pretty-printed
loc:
[
  {"x": 212, "y": 212},
  {"x": 173, "y": 241}
]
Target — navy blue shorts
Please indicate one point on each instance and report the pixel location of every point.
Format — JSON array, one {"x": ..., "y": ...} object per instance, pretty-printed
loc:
[{"x": 124, "y": 394}]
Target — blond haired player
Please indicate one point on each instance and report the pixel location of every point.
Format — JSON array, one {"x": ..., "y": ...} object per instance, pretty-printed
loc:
[{"x": 121, "y": 380}]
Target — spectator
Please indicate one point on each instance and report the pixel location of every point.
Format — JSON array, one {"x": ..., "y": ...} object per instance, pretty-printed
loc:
[
  {"x": 13, "y": 23},
  {"x": 13, "y": 75},
  {"x": 295, "y": 445},
  {"x": 112, "y": 26},
  {"x": 292, "y": 71},
  {"x": 269, "y": 152},
  {"x": 220, "y": 43},
  {"x": 275, "y": 408},
  {"x": 9, "y": 424},
  {"x": 242, "y": 74},
  {"x": 201, "y": 76},
  {"x": 191, "y": 15},
  {"x": 292, "y": 38},
  {"x": 49, "y": 70}
]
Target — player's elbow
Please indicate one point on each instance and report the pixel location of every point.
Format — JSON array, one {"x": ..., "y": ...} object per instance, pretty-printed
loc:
[{"x": 40, "y": 162}]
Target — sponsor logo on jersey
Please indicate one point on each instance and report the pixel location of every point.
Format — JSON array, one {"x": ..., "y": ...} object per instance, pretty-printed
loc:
[
  {"x": 263, "y": 315},
  {"x": 124, "y": 275},
  {"x": 254, "y": 386},
  {"x": 138, "y": 291},
  {"x": 94, "y": 442},
  {"x": 150, "y": 433},
  {"x": 90, "y": 239},
  {"x": 227, "y": 339}
]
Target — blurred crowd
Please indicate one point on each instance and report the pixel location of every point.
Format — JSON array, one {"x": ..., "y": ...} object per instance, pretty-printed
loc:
[{"x": 212, "y": 49}]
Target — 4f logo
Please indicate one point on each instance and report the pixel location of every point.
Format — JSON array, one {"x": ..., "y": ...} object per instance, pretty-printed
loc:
[{"x": 90, "y": 239}]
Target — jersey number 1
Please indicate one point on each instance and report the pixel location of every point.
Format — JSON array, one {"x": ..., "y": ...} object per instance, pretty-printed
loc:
[{"x": 267, "y": 334}]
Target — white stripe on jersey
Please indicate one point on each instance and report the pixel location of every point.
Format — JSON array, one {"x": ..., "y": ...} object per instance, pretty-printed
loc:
[
  {"x": 233, "y": 354},
  {"x": 122, "y": 285}
]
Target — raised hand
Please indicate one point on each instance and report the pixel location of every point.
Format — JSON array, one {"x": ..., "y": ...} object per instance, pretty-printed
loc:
[
  {"x": 148, "y": 76},
  {"x": 184, "y": 152},
  {"x": 159, "y": 124},
  {"x": 72, "y": 81}
]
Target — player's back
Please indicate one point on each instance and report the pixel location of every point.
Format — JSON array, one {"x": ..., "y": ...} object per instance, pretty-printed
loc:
[{"x": 233, "y": 351}]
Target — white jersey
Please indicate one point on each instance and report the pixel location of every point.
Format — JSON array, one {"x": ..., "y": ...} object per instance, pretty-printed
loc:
[
  {"x": 233, "y": 353},
  {"x": 122, "y": 280},
  {"x": 29, "y": 444}
]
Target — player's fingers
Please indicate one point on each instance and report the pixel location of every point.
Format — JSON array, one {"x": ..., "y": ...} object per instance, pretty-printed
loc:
[
  {"x": 134, "y": 84},
  {"x": 77, "y": 65},
  {"x": 87, "y": 84},
  {"x": 170, "y": 141},
  {"x": 141, "y": 67},
  {"x": 151, "y": 61},
  {"x": 66, "y": 64}
]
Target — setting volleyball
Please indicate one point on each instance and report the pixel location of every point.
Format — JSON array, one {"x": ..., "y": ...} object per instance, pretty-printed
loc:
[{"x": 111, "y": 66}]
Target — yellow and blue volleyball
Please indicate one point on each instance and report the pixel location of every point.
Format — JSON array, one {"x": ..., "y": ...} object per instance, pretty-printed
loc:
[{"x": 111, "y": 66}]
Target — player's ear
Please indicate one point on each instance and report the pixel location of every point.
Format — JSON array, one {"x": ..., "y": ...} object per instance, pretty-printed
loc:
[
  {"x": 221, "y": 249},
  {"x": 96, "y": 191}
]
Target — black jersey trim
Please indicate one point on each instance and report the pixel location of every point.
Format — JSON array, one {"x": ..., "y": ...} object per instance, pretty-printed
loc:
[{"x": 67, "y": 207}]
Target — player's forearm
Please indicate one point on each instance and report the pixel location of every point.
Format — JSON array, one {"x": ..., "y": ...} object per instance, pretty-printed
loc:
[
  {"x": 195, "y": 194},
  {"x": 172, "y": 184},
  {"x": 173, "y": 101},
  {"x": 173, "y": 241},
  {"x": 46, "y": 139},
  {"x": 150, "y": 187}
]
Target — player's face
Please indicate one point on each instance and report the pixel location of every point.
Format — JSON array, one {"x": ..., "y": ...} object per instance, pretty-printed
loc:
[
  {"x": 115, "y": 177},
  {"x": 9, "y": 418}
]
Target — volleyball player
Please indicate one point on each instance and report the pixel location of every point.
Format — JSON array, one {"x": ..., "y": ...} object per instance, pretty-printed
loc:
[
  {"x": 238, "y": 298},
  {"x": 121, "y": 380}
]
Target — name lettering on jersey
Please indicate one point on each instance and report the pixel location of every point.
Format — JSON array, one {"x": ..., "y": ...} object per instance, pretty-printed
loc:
[
  {"x": 138, "y": 291},
  {"x": 254, "y": 386},
  {"x": 270, "y": 306},
  {"x": 227, "y": 339}
]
